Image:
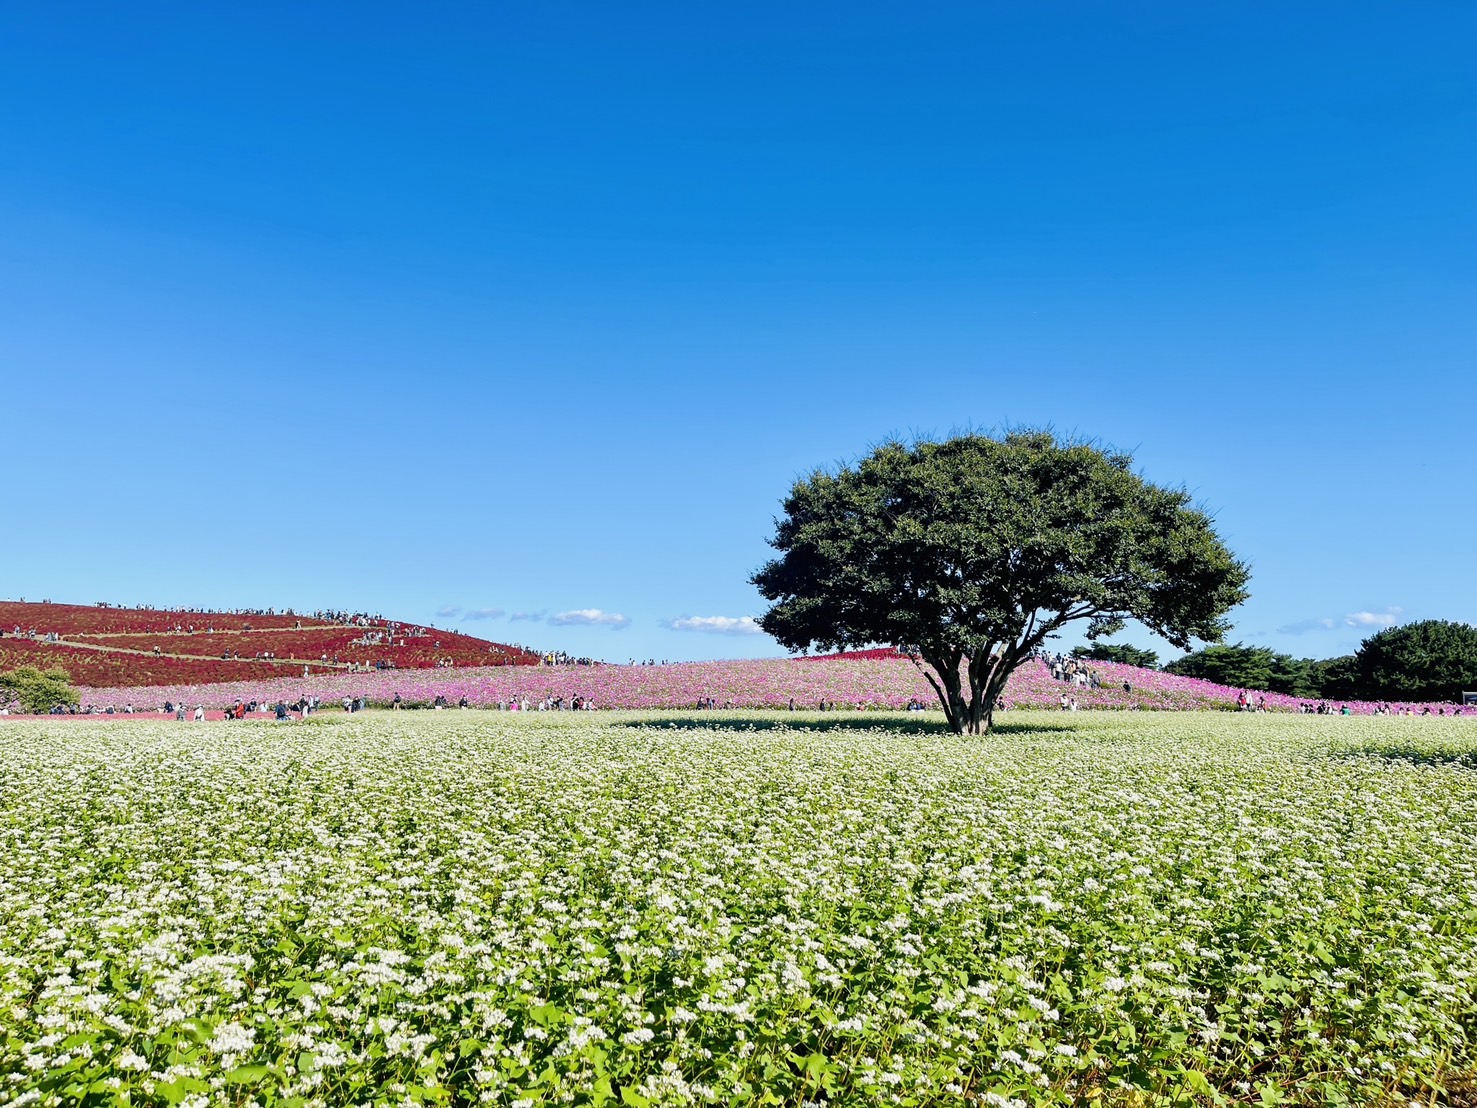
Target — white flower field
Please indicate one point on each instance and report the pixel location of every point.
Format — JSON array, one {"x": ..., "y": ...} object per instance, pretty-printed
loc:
[{"x": 661, "y": 909}]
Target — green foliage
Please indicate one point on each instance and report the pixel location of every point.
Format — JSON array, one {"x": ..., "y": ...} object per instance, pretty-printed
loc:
[
  {"x": 37, "y": 690},
  {"x": 1434, "y": 659},
  {"x": 1334, "y": 678},
  {"x": 1250, "y": 667},
  {"x": 1121, "y": 653},
  {"x": 969, "y": 553}
]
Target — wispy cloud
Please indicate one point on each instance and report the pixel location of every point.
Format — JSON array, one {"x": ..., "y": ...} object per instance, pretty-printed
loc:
[
  {"x": 483, "y": 613},
  {"x": 589, "y": 617},
  {"x": 1385, "y": 617},
  {"x": 531, "y": 617},
  {"x": 716, "y": 625},
  {"x": 447, "y": 610},
  {"x": 1303, "y": 626}
]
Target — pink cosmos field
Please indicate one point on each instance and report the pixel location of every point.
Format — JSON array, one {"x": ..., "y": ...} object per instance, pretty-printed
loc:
[{"x": 851, "y": 683}]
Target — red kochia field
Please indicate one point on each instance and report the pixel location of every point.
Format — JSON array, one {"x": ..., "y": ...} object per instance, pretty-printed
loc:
[
  {"x": 87, "y": 667},
  {"x": 115, "y": 647},
  {"x": 92, "y": 619}
]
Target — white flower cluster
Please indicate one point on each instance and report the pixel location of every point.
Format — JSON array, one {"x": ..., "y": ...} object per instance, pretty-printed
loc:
[{"x": 467, "y": 908}]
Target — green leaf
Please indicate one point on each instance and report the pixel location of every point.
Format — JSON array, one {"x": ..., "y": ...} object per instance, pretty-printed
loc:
[{"x": 247, "y": 1075}]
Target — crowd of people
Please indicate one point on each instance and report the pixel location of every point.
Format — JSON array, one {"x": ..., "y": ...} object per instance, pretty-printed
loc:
[
  {"x": 348, "y": 619},
  {"x": 1074, "y": 671},
  {"x": 547, "y": 704},
  {"x": 559, "y": 658},
  {"x": 1323, "y": 708},
  {"x": 32, "y": 634}
]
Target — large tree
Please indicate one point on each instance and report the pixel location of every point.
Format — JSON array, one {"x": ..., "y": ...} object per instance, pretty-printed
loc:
[
  {"x": 1434, "y": 659},
  {"x": 968, "y": 553}
]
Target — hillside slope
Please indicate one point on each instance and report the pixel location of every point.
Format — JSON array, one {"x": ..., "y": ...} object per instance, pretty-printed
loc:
[
  {"x": 844, "y": 685},
  {"x": 100, "y": 645}
]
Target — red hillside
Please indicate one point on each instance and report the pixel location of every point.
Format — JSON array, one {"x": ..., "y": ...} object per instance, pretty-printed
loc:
[{"x": 104, "y": 645}]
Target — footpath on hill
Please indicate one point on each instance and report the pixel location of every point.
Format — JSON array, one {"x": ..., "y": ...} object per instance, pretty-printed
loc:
[{"x": 101, "y": 648}]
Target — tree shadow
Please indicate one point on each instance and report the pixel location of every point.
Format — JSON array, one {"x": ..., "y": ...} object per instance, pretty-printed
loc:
[
  {"x": 1413, "y": 756},
  {"x": 915, "y": 723}
]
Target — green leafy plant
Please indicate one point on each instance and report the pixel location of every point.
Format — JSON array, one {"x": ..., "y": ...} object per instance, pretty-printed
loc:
[{"x": 37, "y": 690}]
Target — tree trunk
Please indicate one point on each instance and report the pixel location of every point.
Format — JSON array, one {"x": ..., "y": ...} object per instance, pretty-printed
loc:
[
  {"x": 981, "y": 706},
  {"x": 949, "y": 689},
  {"x": 987, "y": 673}
]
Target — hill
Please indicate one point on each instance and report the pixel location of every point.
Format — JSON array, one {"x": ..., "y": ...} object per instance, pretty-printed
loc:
[
  {"x": 101, "y": 645},
  {"x": 774, "y": 683}
]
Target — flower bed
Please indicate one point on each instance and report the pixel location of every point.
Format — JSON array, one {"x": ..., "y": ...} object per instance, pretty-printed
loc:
[
  {"x": 342, "y": 643},
  {"x": 130, "y": 637},
  {"x": 83, "y": 619},
  {"x": 128, "y": 671},
  {"x": 765, "y": 683},
  {"x": 459, "y": 908}
]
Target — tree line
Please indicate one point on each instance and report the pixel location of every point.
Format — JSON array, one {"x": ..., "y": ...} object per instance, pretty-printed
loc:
[{"x": 1431, "y": 660}]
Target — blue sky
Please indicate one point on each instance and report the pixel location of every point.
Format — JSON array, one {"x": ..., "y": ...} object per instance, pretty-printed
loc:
[{"x": 491, "y": 311}]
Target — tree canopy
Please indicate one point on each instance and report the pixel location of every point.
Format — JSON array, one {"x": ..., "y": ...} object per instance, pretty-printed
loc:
[
  {"x": 1122, "y": 653},
  {"x": 37, "y": 690},
  {"x": 968, "y": 553},
  {"x": 1433, "y": 659},
  {"x": 1251, "y": 667}
]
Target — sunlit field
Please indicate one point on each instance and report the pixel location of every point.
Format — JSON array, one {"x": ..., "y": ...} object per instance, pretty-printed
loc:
[{"x": 569, "y": 908}]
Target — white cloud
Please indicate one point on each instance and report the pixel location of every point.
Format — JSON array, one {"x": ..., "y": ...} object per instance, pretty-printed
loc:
[
  {"x": 1386, "y": 617},
  {"x": 483, "y": 613},
  {"x": 589, "y": 617},
  {"x": 447, "y": 610},
  {"x": 533, "y": 616},
  {"x": 1303, "y": 626},
  {"x": 716, "y": 625}
]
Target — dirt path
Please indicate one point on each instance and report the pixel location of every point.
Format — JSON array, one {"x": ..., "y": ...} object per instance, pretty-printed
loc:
[
  {"x": 221, "y": 631},
  {"x": 100, "y": 648}
]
